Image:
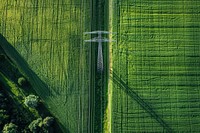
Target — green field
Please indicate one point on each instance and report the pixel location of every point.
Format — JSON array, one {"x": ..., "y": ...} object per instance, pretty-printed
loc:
[
  {"x": 157, "y": 55},
  {"x": 49, "y": 36},
  {"x": 154, "y": 64}
]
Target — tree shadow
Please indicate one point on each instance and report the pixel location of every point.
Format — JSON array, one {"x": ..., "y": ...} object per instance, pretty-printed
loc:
[{"x": 15, "y": 64}]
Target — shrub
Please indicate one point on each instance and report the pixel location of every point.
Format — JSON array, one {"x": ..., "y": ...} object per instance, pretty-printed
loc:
[
  {"x": 31, "y": 101},
  {"x": 1, "y": 95},
  {"x": 35, "y": 125},
  {"x": 22, "y": 81},
  {"x": 48, "y": 121},
  {"x": 10, "y": 128},
  {"x": 3, "y": 117}
]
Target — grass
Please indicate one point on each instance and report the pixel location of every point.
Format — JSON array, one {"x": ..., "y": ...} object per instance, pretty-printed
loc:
[
  {"x": 156, "y": 55},
  {"x": 108, "y": 114},
  {"x": 98, "y": 81},
  {"x": 49, "y": 36},
  {"x": 157, "y": 43}
]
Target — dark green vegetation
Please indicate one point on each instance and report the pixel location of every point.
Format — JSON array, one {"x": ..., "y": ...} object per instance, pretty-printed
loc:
[
  {"x": 10, "y": 128},
  {"x": 156, "y": 66},
  {"x": 22, "y": 81},
  {"x": 155, "y": 69},
  {"x": 98, "y": 80},
  {"x": 49, "y": 36},
  {"x": 42, "y": 125},
  {"x": 15, "y": 116}
]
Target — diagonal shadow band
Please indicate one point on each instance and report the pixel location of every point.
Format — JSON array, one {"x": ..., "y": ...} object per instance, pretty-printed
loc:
[
  {"x": 12, "y": 54},
  {"x": 38, "y": 85},
  {"x": 116, "y": 79}
]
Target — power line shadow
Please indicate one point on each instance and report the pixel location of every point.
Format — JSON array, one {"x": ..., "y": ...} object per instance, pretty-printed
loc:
[{"x": 129, "y": 91}]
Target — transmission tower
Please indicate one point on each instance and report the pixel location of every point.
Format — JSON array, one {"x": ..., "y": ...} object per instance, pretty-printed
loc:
[{"x": 100, "y": 40}]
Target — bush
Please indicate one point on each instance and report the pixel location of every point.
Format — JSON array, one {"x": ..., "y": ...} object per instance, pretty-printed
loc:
[
  {"x": 1, "y": 95},
  {"x": 22, "y": 81},
  {"x": 10, "y": 128},
  {"x": 3, "y": 116},
  {"x": 48, "y": 121},
  {"x": 35, "y": 125},
  {"x": 31, "y": 101}
]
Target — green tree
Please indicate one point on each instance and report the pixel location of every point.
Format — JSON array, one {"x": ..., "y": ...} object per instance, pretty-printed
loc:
[
  {"x": 3, "y": 116},
  {"x": 48, "y": 121},
  {"x": 31, "y": 101},
  {"x": 35, "y": 125},
  {"x": 10, "y": 128},
  {"x": 22, "y": 81}
]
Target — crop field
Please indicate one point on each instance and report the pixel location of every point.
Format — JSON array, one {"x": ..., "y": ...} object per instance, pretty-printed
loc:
[
  {"x": 150, "y": 78},
  {"x": 156, "y": 66},
  {"x": 49, "y": 35}
]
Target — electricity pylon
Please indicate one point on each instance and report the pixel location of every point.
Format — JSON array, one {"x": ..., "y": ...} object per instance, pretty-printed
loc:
[{"x": 100, "y": 40}]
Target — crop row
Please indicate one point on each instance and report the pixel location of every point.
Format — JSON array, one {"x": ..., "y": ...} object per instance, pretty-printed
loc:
[{"x": 156, "y": 57}]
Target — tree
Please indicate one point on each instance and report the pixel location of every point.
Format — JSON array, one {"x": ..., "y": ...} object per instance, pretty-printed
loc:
[
  {"x": 22, "y": 81},
  {"x": 3, "y": 116},
  {"x": 31, "y": 101},
  {"x": 48, "y": 121},
  {"x": 1, "y": 95},
  {"x": 10, "y": 128},
  {"x": 35, "y": 125}
]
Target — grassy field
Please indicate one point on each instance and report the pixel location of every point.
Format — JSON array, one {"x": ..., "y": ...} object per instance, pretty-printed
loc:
[
  {"x": 157, "y": 58},
  {"x": 49, "y": 36},
  {"x": 155, "y": 62}
]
